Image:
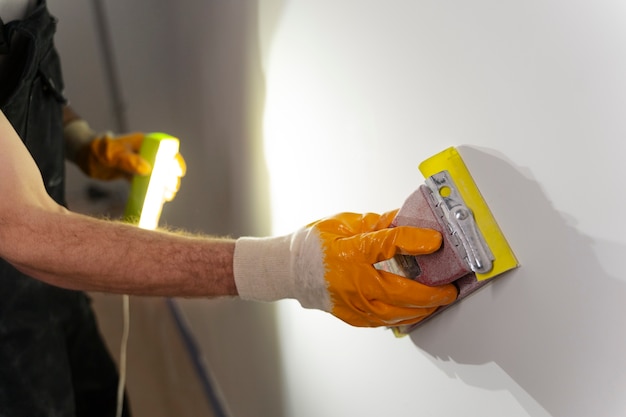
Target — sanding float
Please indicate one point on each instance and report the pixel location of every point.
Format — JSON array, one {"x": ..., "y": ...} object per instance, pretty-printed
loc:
[{"x": 474, "y": 250}]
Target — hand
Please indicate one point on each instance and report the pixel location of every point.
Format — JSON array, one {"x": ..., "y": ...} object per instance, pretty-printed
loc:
[
  {"x": 108, "y": 158},
  {"x": 329, "y": 265},
  {"x": 104, "y": 157},
  {"x": 178, "y": 169}
]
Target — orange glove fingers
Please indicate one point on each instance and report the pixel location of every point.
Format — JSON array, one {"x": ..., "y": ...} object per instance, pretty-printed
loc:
[
  {"x": 132, "y": 141},
  {"x": 389, "y": 297},
  {"x": 360, "y": 309},
  {"x": 106, "y": 158},
  {"x": 348, "y": 224},
  {"x": 384, "y": 244},
  {"x": 130, "y": 164},
  {"x": 399, "y": 316},
  {"x": 380, "y": 314},
  {"x": 182, "y": 165},
  {"x": 122, "y": 154},
  {"x": 406, "y": 292}
]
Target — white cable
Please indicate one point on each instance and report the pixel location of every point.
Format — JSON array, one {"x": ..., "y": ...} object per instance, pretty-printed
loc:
[
  {"x": 123, "y": 348},
  {"x": 154, "y": 196}
]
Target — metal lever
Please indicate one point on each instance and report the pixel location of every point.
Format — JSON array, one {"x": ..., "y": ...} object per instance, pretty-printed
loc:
[{"x": 460, "y": 219}]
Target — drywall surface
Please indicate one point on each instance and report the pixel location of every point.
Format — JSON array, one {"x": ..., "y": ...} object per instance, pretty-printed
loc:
[{"x": 358, "y": 93}]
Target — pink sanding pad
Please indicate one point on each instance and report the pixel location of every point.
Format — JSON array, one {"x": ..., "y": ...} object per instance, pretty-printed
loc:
[{"x": 445, "y": 266}]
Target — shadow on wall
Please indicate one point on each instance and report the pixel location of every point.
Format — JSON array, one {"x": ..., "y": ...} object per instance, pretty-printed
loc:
[{"x": 554, "y": 325}]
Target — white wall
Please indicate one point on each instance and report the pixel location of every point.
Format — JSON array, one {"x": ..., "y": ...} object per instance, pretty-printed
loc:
[
  {"x": 348, "y": 97},
  {"x": 358, "y": 93}
]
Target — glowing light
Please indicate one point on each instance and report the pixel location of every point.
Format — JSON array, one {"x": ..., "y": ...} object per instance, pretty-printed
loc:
[
  {"x": 148, "y": 193},
  {"x": 160, "y": 183}
]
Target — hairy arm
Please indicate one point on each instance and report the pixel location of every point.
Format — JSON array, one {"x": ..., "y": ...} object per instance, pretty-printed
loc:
[{"x": 74, "y": 251}]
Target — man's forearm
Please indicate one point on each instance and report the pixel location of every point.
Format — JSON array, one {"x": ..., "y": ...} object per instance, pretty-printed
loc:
[
  {"x": 74, "y": 251},
  {"x": 79, "y": 252}
]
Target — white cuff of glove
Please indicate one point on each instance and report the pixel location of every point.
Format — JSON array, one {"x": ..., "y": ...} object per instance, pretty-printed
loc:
[
  {"x": 270, "y": 269},
  {"x": 262, "y": 268},
  {"x": 77, "y": 134}
]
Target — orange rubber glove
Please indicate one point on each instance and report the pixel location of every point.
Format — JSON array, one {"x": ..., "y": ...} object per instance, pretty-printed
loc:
[
  {"x": 328, "y": 265},
  {"x": 105, "y": 157},
  {"x": 108, "y": 158}
]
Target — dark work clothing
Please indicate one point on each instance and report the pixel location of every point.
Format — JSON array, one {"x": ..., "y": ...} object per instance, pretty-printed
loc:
[
  {"x": 53, "y": 361},
  {"x": 30, "y": 94}
]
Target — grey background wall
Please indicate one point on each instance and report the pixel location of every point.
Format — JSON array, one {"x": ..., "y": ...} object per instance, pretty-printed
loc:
[
  {"x": 293, "y": 110},
  {"x": 191, "y": 69}
]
